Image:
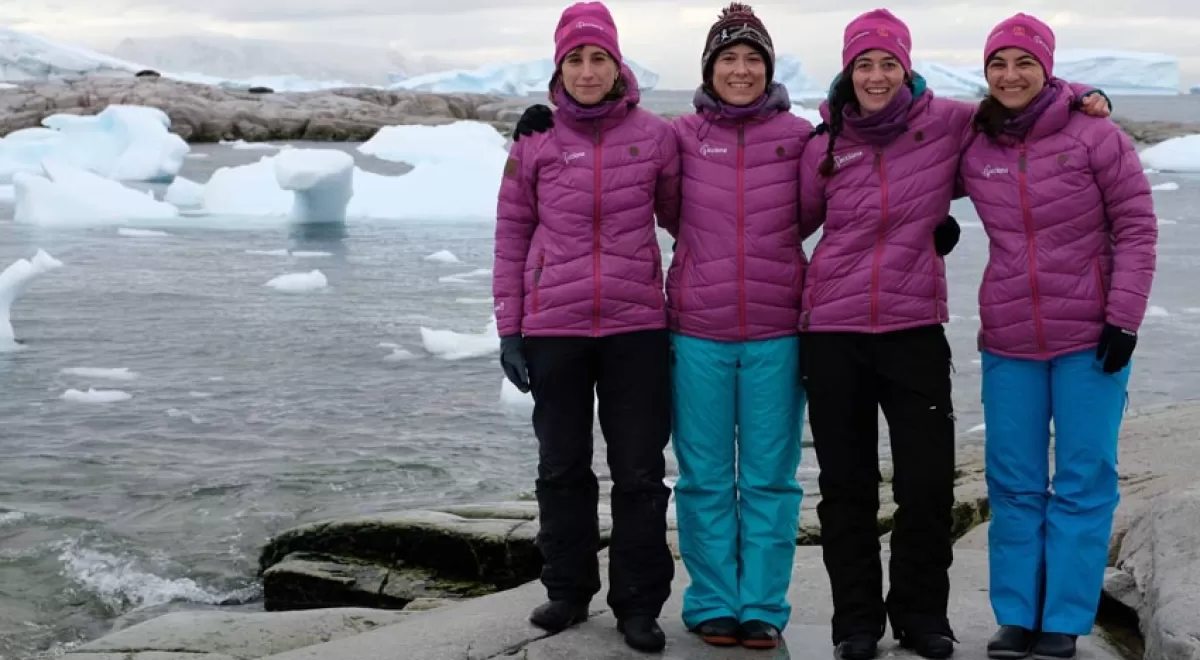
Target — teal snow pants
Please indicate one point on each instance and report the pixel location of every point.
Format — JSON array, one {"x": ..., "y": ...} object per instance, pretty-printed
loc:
[
  {"x": 737, "y": 415},
  {"x": 1048, "y": 538}
]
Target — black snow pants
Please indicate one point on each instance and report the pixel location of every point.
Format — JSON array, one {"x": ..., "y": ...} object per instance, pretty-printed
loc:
[
  {"x": 630, "y": 376},
  {"x": 848, "y": 378}
]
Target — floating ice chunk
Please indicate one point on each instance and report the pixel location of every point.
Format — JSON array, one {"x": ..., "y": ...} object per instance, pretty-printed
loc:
[
  {"x": 96, "y": 396},
  {"x": 474, "y": 301},
  {"x": 450, "y": 345},
  {"x": 68, "y": 195},
  {"x": 270, "y": 253},
  {"x": 184, "y": 192},
  {"x": 398, "y": 354},
  {"x": 463, "y": 278},
  {"x": 1169, "y": 185},
  {"x": 978, "y": 428},
  {"x": 121, "y": 142},
  {"x": 512, "y": 399},
  {"x": 116, "y": 373},
  {"x": 284, "y": 252},
  {"x": 443, "y": 257},
  {"x": 1156, "y": 311},
  {"x": 299, "y": 282},
  {"x": 1180, "y": 154},
  {"x": 447, "y": 143},
  {"x": 13, "y": 281},
  {"x": 322, "y": 180},
  {"x": 251, "y": 146},
  {"x": 140, "y": 233}
]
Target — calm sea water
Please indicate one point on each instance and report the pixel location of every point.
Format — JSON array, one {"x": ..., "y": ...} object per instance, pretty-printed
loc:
[{"x": 253, "y": 410}]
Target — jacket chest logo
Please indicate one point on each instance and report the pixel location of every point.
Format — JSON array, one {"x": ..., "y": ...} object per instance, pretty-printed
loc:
[
  {"x": 707, "y": 150},
  {"x": 842, "y": 160},
  {"x": 989, "y": 170},
  {"x": 569, "y": 156}
]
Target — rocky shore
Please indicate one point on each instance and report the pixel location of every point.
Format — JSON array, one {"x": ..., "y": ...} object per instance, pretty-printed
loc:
[
  {"x": 207, "y": 113},
  {"x": 458, "y": 582}
]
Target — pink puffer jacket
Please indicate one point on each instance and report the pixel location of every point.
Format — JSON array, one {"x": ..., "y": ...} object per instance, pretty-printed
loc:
[
  {"x": 875, "y": 268},
  {"x": 576, "y": 252},
  {"x": 1072, "y": 234},
  {"x": 738, "y": 265}
]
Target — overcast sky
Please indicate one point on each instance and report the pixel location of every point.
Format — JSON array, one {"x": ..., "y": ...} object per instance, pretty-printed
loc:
[{"x": 663, "y": 36}]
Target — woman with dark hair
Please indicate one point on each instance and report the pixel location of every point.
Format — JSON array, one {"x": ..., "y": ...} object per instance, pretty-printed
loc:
[
  {"x": 878, "y": 180},
  {"x": 1072, "y": 235}
]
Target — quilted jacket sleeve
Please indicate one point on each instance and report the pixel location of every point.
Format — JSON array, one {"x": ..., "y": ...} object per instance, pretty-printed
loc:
[
  {"x": 812, "y": 187},
  {"x": 667, "y": 188},
  {"x": 516, "y": 218},
  {"x": 1129, "y": 207}
]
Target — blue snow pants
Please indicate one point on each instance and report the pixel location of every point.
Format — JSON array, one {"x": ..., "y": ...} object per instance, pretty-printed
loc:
[
  {"x": 737, "y": 415},
  {"x": 1048, "y": 539}
]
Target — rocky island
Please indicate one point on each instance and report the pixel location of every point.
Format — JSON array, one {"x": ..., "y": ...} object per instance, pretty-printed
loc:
[
  {"x": 208, "y": 113},
  {"x": 458, "y": 582}
]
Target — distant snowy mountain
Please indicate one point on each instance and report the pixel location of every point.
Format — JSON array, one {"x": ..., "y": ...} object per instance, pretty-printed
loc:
[
  {"x": 230, "y": 57},
  {"x": 511, "y": 79},
  {"x": 25, "y": 56}
]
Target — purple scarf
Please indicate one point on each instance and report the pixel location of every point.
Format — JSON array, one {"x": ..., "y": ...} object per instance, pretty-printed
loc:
[
  {"x": 775, "y": 98},
  {"x": 884, "y": 126},
  {"x": 577, "y": 110},
  {"x": 1017, "y": 126}
]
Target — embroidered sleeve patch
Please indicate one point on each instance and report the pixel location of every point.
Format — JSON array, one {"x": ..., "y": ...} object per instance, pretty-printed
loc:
[{"x": 511, "y": 166}]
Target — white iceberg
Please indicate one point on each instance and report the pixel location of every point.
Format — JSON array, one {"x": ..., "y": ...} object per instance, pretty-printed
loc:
[
  {"x": 1180, "y": 154},
  {"x": 121, "y": 142},
  {"x": 1118, "y": 72},
  {"x": 299, "y": 282},
  {"x": 418, "y": 145},
  {"x": 953, "y": 82},
  {"x": 450, "y": 345},
  {"x": 322, "y": 181},
  {"x": 95, "y": 396},
  {"x": 510, "y": 79},
  {"x": 13, "y": 282},
  {"x": 65, "y": 195},
  {"x": 789, "y": 72},
  {"x": 25, "y": 56},
  {"x": 443, "y": 257}
]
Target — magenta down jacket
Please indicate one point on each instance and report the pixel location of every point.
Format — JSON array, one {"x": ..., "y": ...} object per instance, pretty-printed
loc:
[
  {"x": 576, "y": 252},
  {"x": 875, "y": 268},
  {"x": 739, "y": 265},
  {"x": 1072, "y": 234}
]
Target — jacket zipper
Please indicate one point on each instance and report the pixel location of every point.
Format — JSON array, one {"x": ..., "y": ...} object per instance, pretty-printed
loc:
[
  {"x": 537, "y": 279},
  {"x": 741, "y": 219},
  {"x": 596, "y": 181},
  {"x": 883, "y": 205},
  {"x": 1031, "y": 247}
]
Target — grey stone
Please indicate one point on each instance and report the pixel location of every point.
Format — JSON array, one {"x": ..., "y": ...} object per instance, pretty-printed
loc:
[
  {"x": 207, "y": 113},
  {"x": 1161, "y": 558},
  {"x": 242, "y": 636},
  {"x": 149, "y": 655}
]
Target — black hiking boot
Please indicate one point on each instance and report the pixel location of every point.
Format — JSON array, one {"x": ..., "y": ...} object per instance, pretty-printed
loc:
[
  {"x": 928, "y": 644},
  {"x": 1054, "y": 646},
  {"x": 642, "y": 633},
  {"x": 857, "y": 647},
  {"x": 722, "y": 631},
  {"x": 759, "y": 635},
  {"x": 557, "y": 615},
  {"x": 1011, "y": 642}
]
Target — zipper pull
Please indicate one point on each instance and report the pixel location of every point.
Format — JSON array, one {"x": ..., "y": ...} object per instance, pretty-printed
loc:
[{"x": 1021, "y": 159}]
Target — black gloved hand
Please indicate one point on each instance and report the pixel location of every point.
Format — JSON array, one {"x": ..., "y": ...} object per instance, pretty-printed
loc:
[
  {"x": 512, "y": 360},
  {"x": 1116, "y": 347},
  {"x": 945, "y": 236},
  {"x": 536, "y": 119}
]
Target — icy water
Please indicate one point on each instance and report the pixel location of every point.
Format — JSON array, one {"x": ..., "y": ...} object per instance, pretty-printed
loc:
[{"x": 253, "y": 410}]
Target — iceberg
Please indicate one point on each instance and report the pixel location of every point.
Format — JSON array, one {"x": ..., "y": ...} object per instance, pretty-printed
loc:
[
  {"x": 67, "y": 195},
  {"x": 789, "y": 72},
  {"x": 1180, "y": 154},
  {"x": 121, "y": 142},
  {"x": 13, "y": 281},
  {"x": 416, "y": 145},
  {"x": 514, "y": 79},
  {"x": 322, "y": 181},
  {"x": 1118, "y": 73},
  {"x": 25, "y": 56},
  {"x": 953, "y": 82}
]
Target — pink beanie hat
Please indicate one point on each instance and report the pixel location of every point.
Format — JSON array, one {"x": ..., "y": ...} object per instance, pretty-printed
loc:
[
  {"x": 585, "y": 23},
  {"x": 877, "y": 29},
  {"x": 1027, "y": 33}
]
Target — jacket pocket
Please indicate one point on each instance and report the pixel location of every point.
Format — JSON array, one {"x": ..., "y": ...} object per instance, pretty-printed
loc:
[
  {"x": 1103, "y": 290},
  {"x": 537, "y": 281}
]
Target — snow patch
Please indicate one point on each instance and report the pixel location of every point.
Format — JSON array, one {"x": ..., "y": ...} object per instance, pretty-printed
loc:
[{"x": 13, "y": 282}]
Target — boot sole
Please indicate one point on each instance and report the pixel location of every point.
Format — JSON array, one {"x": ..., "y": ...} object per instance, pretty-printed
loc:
[
  {"x": 760, "y": 644},
  {"x": 720, "y": 640},
  {"x": 1039, "y": 656},
  {"x": 1007, "y": 655}
]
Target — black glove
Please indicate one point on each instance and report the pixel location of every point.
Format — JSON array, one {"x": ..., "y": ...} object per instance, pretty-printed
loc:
[
  {"x": 512, "y": 360},
  {"x": 536, "y": 119},
  {"x": 1116, "y": 347},
  {"x": 945, "y": 236}
]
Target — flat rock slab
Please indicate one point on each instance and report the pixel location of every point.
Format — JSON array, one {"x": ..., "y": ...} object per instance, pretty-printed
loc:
[
  {"x": 496, "y": 626},
  {"x": 241, "y": 636}
]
